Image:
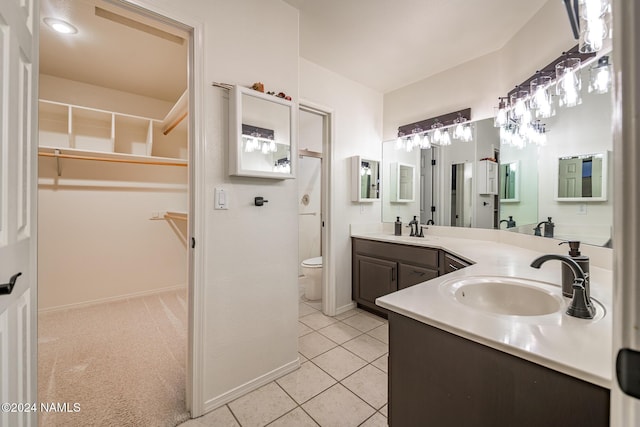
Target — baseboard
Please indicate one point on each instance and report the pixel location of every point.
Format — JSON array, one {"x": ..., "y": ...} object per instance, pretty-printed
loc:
[
  {"x": 254, "y": 384},
  {"x": 111, "y": 299},
  {"x": 345, "y": 308}
]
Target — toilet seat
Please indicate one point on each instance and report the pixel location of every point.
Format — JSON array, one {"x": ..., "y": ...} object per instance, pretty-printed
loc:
[{"x": 313, "y": 262}]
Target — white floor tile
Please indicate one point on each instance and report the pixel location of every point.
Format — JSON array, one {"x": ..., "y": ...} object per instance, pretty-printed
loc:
[
  {"x": 366, "y": 347},
  {"x": 262, "y": 406},
  {"x": 221, "y": 417},
  {"x": 317, "y": 320},
  {"x": 381, "y": 333},
  {"x": 306, "y": 382},
  {"x": 346, "y": 314},
  {"x": 337, "y": 406},
  {"x": 317, "y": 304},
  {"x": 363, "y": 322},
  {"x": 385, "y": 410},
  {"x": 314, "y": 344},
  {"x": 340, "y": 332},
  {"x": 303, "y": 329},
  {"x": 376, "y": 420},
  {"x": 295, "y": 418},
  {"x": 382, "y": 363},
  {"x": 339, "y": 363},
  {"x": 304, "y": 309},
  {"x": 370, "y": 384}
]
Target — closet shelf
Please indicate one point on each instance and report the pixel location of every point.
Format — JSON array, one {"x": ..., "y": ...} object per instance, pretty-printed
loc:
[
  {"x": 176, "y": 215},
  {"x": 75, "y": 154}
]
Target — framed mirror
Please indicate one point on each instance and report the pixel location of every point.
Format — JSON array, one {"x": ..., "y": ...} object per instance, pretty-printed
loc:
[
  {"x": 261, "y": 135},
  {"x": 509, "y": 180},
  {"x": 365, "y": 186},
  {"x": 582, "y": 178},
  {"x": 403, "y": 183}
]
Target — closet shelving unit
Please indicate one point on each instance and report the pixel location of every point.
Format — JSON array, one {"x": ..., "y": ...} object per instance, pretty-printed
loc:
[{"x": 76, "y": 132}]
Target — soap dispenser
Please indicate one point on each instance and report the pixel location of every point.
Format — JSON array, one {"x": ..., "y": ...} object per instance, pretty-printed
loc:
[
  {"x": 567, "y": 274},
  {"x": 398, "y": 228},
  {"x": 510, "y": 222}
]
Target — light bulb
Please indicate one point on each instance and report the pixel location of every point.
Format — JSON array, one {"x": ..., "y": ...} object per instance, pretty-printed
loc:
[
  {"x": 501, "y": 117},
  {"x": 467, "y": 135},
  {"x": 446, "y": 138},
  {"x": 437, "y": 135},
  {"x": 399, "y": 143},
  {"x": 272, "y": 146},
  {"x": 426, "y": 144}
]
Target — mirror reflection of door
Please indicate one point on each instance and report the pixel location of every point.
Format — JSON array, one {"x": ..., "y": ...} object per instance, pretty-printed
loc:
[
  {"x": 461, "y": 194},
  {"x": 580, "y": 176},
  {"x": 508, "y": 172},
  {"x": 405, "y": 182},
  {"x": 427, "y": 181}
]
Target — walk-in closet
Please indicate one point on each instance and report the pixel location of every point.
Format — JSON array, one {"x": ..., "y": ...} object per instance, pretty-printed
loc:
[{"x": 112, "y": 214}]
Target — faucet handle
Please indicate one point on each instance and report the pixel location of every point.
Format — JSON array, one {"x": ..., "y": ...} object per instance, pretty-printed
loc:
[{"x": 580, "y": 306}]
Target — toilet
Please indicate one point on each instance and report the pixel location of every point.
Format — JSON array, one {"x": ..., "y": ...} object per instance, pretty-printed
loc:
[{"x": 312, "y": 270}]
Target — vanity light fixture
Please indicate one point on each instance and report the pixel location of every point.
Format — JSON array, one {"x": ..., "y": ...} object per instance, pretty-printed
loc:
[
  {"x": 502, "y": 113},
  {"x": 60, "y": 26},
  {"x": 594, "y": 18},
  {"x": 600, "y": 76},
  {"x": 436, "y": 127},
  {"x": 365, "y": 169},
  {"x": 568, "y": 82},
  {"x": 541, "y": 100},
  {"x": 435, "y": 131},
  {"x": 282, "y": 165}
]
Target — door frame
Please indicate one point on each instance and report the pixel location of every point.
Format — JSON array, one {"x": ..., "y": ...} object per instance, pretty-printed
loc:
[
  {"x": 174, "y": 15},
  {"x": 327, "y": 211}
]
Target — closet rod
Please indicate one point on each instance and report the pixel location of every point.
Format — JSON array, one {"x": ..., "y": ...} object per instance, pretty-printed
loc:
[{"x": 106, "y": 159}]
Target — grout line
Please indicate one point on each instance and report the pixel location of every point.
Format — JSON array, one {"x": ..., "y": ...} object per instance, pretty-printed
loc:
[{"x": 233, "y": 415}]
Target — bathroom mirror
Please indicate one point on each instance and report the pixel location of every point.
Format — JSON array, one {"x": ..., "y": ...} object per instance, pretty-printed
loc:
[
  {"x": 509, "y": 181},
  {"x": 261, "y": 135},
  {"x": 365, "y": 174},
  {"x": 402, "y": 176},
  {"x": 582, "y": 178}
]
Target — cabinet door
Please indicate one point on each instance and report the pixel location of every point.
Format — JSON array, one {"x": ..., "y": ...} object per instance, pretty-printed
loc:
[
  {"x": 376, "y": 277},
  {"x": 452, "y": 264},
  {"x": 410, "y": 275}
]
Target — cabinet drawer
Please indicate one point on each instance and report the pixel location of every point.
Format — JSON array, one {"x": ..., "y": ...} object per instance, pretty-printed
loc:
[
  {"x": 452, "y": 263},
  {"x": 425, "y": 257},
  {"x": 409, "y": 275}
]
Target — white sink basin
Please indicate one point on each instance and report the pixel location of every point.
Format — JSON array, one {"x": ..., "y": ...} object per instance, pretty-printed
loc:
[{"x": 508, "y": 296}]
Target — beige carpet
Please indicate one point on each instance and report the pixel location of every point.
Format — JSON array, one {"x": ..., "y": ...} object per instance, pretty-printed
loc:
[{"x": 124, "y": 362}]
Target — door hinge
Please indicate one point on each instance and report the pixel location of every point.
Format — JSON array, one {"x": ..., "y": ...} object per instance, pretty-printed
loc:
[
  {"x": 193, "y": 242},
  {"x": 433, "y": 208},
  {"x": 433, "y": 162}
]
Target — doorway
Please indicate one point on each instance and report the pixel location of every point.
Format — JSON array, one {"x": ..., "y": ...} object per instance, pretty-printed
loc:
[
  {"x": 114, "y": 205},
  {"x": 317, "y": 288}
]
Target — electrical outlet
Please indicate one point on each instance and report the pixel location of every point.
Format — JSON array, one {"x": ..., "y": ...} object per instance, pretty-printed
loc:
[{"x": 582, "y": 209}]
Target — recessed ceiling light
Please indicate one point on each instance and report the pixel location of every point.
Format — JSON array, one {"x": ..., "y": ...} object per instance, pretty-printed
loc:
[{"x": 60, "y": 26}]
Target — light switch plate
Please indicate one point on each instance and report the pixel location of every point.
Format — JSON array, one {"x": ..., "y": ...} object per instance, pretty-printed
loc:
[{"x": 221, "y": 199}]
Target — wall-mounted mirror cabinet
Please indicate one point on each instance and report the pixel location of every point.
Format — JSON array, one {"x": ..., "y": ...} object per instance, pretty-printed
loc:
[
  {"x": 582, "y": 178},
  {"x": 365, "y": 181},
  {"x": 261, "y": 135},
  {"x": 403, "y": 182},
  {"x": 509, "y": 180}
]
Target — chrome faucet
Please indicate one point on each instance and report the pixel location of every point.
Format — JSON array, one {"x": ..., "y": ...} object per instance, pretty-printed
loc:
[
  {"x": 581, "y": 306},
  {"x": 413, "y": 222}
]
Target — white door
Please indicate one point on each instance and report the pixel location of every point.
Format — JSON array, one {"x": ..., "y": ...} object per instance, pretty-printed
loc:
[{"x": 18, "y": 120}]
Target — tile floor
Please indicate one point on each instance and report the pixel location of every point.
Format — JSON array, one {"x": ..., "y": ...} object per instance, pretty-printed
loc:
[{"x": 342, "y": 380}]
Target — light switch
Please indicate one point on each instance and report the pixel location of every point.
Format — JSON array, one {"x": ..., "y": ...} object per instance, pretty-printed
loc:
[{"x": 221, "y": 199}]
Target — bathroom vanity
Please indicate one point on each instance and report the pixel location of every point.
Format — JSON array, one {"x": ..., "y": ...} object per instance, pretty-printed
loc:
[
  {"x": 380, "y": 268},
  {"x": 452, "y": 364}
]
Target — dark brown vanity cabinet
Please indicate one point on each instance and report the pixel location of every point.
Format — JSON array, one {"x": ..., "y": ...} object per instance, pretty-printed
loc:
[
  {"x": 440, "y": 379},
  {"x": 380, "y": 268},
  {"x": 451, "y": 263}
]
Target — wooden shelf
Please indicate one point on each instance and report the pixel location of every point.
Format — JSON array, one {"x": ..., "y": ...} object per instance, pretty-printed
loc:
[
  {"x": 72, "y": 153},
  {"x": 85, "y": 133}
]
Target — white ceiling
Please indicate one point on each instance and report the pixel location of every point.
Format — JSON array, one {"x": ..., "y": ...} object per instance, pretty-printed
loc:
[
  {"x": 383, "y": 44},
  {"x": 111, "y": 54},
  {"x": 387, "y": 44}
]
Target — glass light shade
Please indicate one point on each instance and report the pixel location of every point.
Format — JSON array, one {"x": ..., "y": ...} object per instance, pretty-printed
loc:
[
  {"x": 399, "y": 143},
  {"x": 518, "y": 101},
  {"x": 600, "y": 76},
  {"x": 501, "y": 117},
  {"x": 467, "y": 134},
  {"x": 540, "y": 97},
  {"x": 437, "y": 135},
  {"x": 568, "y": 82},
  {"x": 594, "y": 17},
  {"x": 426, "y": 143},
  {"x": 446, "y": 138}
]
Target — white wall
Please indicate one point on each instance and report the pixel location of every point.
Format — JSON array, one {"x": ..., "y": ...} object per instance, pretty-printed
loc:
[
  {"x": 357, "y": 131},
  {"x": 479, "y": 83}
]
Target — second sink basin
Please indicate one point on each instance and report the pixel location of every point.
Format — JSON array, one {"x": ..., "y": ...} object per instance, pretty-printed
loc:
[{"x": 507, "y": 296}]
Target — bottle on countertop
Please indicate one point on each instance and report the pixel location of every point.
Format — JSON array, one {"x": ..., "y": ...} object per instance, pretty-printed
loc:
[
  {"x": 548, "y": 228},
  {"x": 567, "y": 274},
  {"x": 398, "y": 229}
]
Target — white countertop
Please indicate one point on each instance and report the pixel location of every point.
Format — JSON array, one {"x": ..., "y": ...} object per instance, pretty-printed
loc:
[{"x": 577, "y": 347}]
